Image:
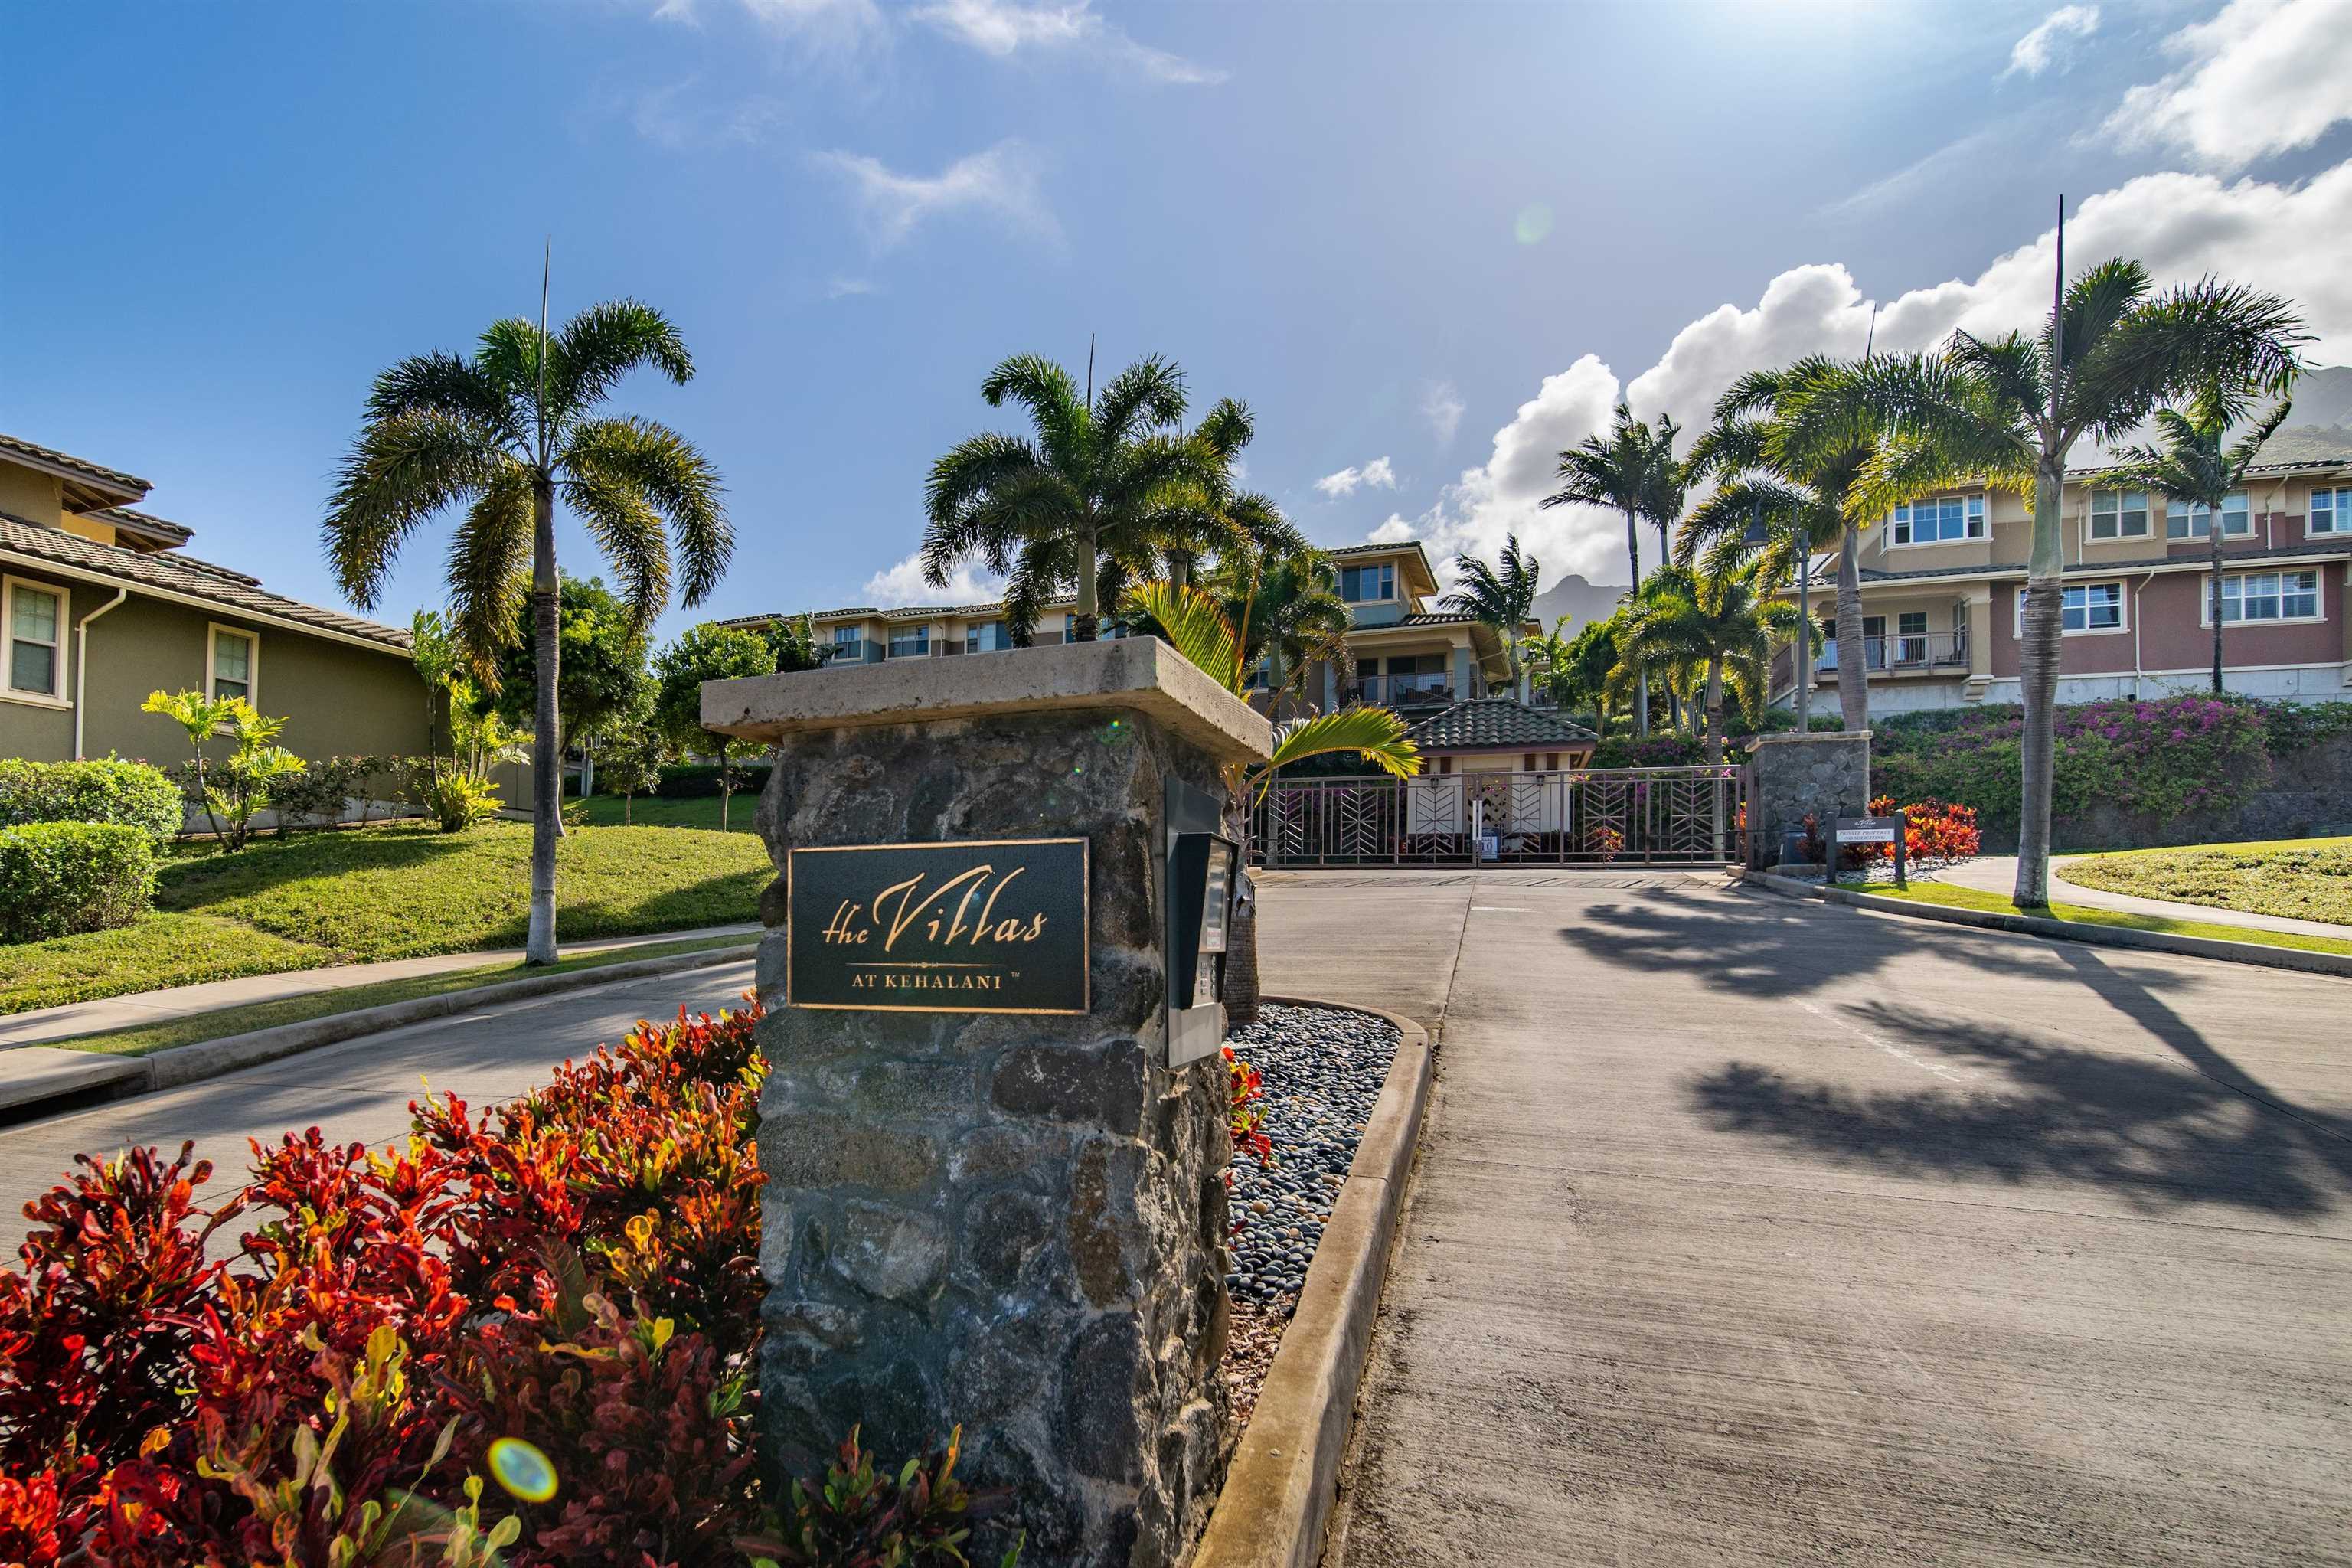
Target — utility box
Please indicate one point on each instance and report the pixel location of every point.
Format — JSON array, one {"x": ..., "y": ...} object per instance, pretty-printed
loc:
[{"x": 1202, "y": 864}]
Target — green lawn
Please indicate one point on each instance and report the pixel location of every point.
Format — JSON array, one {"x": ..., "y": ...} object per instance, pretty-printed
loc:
[
  {"x": 139, "y": 1040},
  {"x": 652, "y": 811},
  {"x": 396, "y": 891},
  {"x": 2301, "y": 879},
  {"x": 1956, "y": 897}
]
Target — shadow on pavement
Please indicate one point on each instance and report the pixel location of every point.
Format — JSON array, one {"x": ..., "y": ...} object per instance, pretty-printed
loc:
[
  {"x": 1761, "y": 946},
  {"x": 2137, "y": 1128}
]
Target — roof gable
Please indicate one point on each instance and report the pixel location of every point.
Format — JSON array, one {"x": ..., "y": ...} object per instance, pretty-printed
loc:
[{"x": 1497, "y": 723}]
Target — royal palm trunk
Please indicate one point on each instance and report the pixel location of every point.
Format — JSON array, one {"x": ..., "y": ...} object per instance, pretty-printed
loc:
[
  {"x": 2213, "y": 538},
  {"x": 1641, "y": 677},
  {"x": 1804, "y": 643},
  {"x": 1853, "y": 663},
  {"x": 546, "y": 759},
  {"x": 1087, "y": 617},
  {"x": 2038, "y": 662}
]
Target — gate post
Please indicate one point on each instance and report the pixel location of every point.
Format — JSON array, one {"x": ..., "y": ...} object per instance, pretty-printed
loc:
[
  {"x": 994, "y": 1169},
  {"x": 1823, "y": 775}
]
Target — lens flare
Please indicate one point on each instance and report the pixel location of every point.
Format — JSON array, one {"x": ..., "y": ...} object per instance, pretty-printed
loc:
[
  {"x": 523, "y": 1469},
  {"x": 1533, "y": 224}
]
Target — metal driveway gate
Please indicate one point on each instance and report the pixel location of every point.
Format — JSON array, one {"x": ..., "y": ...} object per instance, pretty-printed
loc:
[{"x": 1685, "y": 816}]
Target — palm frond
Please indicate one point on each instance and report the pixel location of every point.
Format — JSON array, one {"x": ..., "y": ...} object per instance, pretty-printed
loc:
[
  {"x": 659, "y": 469},
  {"x": 489, "y": 571},
  {"x": 1147, "y": 394},
  {"x": 602, "y": 344},
  {"x": 402, "y": 469},
  {"x": 1196, "y": 626},
  {"x": 1375, "y": 734}
]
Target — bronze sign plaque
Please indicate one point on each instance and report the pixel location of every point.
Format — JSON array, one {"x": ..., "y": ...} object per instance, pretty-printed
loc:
[{"x": 985, "y": 926}]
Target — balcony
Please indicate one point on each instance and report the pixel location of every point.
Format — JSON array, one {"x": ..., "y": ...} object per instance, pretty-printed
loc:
[
  {"x": 1401, "y": 692},
  {"x": 1900, "y": 653}
]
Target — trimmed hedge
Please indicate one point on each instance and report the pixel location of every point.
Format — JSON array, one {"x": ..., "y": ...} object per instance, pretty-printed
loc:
[
  {"x": 131, "y": 794},
  {"x": 59, "y": 878},
  {"x": 700, "y": 781}
]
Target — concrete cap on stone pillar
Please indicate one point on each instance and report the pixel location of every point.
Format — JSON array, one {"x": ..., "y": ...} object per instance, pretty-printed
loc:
[{"x": 1141, "y": 673}]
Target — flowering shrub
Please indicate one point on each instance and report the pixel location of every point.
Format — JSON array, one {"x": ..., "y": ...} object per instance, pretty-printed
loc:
[
  {"x": 1651, "y": 751},
  {"x": 1247, "y": 1115},
  {"x": 2154, "y": 759},
  {"x": 571, "y": 1278}
]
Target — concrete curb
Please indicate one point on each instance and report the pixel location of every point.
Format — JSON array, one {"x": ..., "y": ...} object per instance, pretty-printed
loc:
[
  {"x": 2258, "y": 953},
  {"x": 1284, "y": 1475},
  {"x": 210, "y": 1059}
]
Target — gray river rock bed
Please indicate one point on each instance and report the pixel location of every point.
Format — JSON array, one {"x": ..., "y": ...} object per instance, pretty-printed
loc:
[{"x": 1323, "y": 1069}]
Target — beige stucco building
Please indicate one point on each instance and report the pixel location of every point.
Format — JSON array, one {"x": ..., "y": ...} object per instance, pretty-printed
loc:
[
  {"x": 1941, "y": 582},
  {"x": 100, "y": 606},
  {"x": 1407, "y": 656}
]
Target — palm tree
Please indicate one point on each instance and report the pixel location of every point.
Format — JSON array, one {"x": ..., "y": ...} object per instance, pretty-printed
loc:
[
  {"x": 1502, "y": 598},
  {"x": 2193, "y": 467},
  {"x": 1717, "y": 624},
  {"x": 504, "y": 435},
  {"x": 1096, "y": 475},
  {"x": 2009, "y": 409},
  {"x": 1551, "y": 661},
  {"x": 1288, "y": 609},
  {"x": 1633, "y": 471},
  {"x": 1793, "y": 446},
  {"x": 1198, "y": 627}
]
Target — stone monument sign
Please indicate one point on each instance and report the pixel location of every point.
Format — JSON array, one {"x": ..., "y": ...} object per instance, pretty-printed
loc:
[{"x": 990, "y": 1202}]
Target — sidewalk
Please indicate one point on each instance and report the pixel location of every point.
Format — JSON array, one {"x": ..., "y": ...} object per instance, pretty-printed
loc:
[
  {"x": 1998, "y": 874},
  {"x": 76, "y": 1018}
]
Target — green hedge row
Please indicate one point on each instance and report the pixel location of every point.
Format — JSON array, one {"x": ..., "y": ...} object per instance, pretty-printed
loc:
[
  {"x": 131, "y": 794},
  {"x": 59, "y": 878}
]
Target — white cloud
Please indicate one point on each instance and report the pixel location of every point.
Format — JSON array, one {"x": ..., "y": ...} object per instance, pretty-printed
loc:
[
  {"x": 2045, "y": 45},
  {"x": 1442, "y": 406},
  {"x": 1003, "y": 182},
  {"x": 850, "y": 288},
  {"x": 1917, "y": 178},
  {"x": 2261, "y": 76},
  {"x": 1376, "y": 473},
  {"x": 905, "y": 584},
  {"x": 2281, "y": 238},
  {"x": 1001, "y": 27},
  {"x": 1395, "y": 530},
  {"x": 680, "y": 116}
]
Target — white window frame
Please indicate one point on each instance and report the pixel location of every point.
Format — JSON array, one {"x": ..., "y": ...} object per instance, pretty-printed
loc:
[
  {"x": 2196, "y": 524},
  {"x": 2339, "y": 511},
  {"x": 2146, "y": 509},
  {"x": 1976, "y": 522},
  {"x": 2123, "y": 610},
  {"x": 2318, "y": 597},
  {"x": 56, "y": 696},
  {"x": 214, "y": 631},
  {"x": 1387, "y": 569}
]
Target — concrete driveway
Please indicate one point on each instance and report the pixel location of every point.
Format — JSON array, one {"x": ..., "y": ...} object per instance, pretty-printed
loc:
[{"x": 1753, "y": 1231}]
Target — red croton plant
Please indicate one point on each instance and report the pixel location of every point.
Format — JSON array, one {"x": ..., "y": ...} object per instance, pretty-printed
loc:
[{"x": 527, "y": 1336}]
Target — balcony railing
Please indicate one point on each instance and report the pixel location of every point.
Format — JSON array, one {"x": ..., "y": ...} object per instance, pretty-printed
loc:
[
  {"x": 1433, "y": 690},
  {"x": 1896, "y": 651}
]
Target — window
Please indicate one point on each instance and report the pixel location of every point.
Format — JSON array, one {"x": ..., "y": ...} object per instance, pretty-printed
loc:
[
  {"x": 2083, "y": 607},
  {"x": 1939, "y": 521},
  {"x": 2119, "y": 514},
  {"x": 988, "y": 636},
  {"x": 913, "y": 644},
  {"x": 232, "y": 663},
  {"x": 1368, "y": 584},
  {"x": 2182, "y": 520},
  {"x": 2267, "y": 596},
  {"x": 34, "y": 622},
  {"x": 2331, "y": 512},
  {"x": 1911, "y": 637}
]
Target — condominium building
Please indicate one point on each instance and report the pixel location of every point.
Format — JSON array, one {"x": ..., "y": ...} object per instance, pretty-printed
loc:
[
  {"x": 1943, "y": 583},
  {"x": 1406, "y": 654}
]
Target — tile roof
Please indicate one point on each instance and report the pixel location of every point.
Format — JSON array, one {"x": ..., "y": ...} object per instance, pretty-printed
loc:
[
  {"x": 183, "y": 575},
  {"x": 82, "y": 466},
  {"x": 1497, "y": 723},
  {"x": 171, "y": 534},
  {"x": 1375, "y": 549}
]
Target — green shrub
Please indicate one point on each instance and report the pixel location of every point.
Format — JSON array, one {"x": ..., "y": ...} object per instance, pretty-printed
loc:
[
  {"x": 59, "y": 878},
  {"x": 700, "y": 781},
  {"x": 131, "y": 794}
]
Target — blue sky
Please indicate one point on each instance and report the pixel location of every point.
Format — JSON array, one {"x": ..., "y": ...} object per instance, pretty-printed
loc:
[{"x": 1428, "y": 243}]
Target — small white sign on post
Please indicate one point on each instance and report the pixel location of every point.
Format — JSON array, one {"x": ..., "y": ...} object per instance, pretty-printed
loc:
[{"x": 1887, "y": 830}]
